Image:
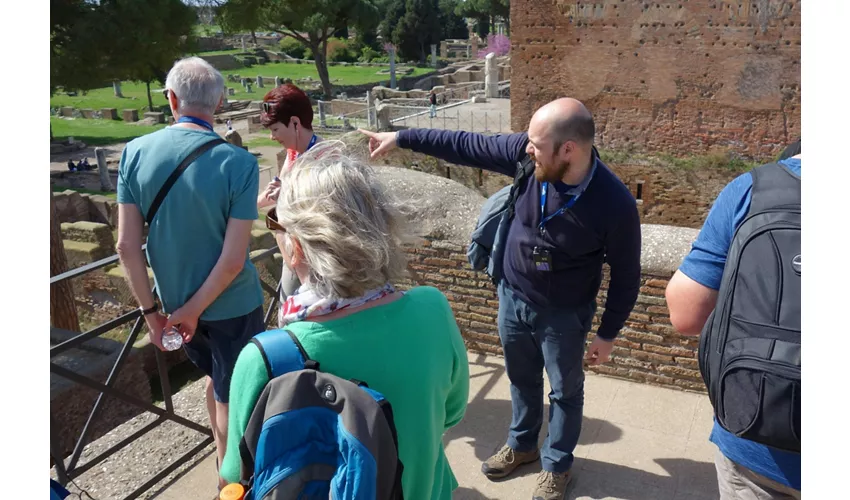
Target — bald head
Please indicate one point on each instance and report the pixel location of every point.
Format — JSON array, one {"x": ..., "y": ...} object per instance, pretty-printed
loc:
[{"x": 563, "y": 120}]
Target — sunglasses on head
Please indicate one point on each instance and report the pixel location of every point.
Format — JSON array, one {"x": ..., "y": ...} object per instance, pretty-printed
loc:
[
  {"x": 268, "y": 106},
  {"x": 271, "y": 221},
  {"x": 165, "y": 93}
]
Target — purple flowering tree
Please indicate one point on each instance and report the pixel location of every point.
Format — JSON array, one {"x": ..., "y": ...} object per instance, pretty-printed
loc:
[{"x": 498, "y": 44}]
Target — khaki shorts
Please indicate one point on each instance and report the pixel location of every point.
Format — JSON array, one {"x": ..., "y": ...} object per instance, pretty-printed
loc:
[{"x": 739, "y": 483}]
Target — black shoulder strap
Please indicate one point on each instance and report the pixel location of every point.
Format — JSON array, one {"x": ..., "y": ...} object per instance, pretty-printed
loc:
[
  {"x": 163, "y": 191},
  {"x": 774, "y": 186},
  {"x": 524, "y": 169}
]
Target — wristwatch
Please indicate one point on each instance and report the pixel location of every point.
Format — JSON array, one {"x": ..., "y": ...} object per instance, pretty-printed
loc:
[{"x": 153, "y": 309}]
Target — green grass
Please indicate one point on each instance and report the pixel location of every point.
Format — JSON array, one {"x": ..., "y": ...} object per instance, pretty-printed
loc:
[
  {"x": 135, "y": 95},
  {"x": 108, "y": 194},
  {"x": 206, "y": 29},
  {"x": 716, "y": 159},
  {"x": 219, "y": 52},
  {"x": 99, "y": 132},
  {"x": 259, "y": 142}
]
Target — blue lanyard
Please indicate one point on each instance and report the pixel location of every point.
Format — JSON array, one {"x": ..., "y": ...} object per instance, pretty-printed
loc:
[
  {"x": 576, "y": 192},
  {"x": 196, "y": 121},
  {"x": 312, "y": 143},
  {"x": 568, "y": 205}
]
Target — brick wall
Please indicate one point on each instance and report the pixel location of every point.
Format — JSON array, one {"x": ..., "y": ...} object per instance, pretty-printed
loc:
[
  {"x": 647, "y": 349},
  {"x": 676, "y": 76},
  {"x": 674, "y": 196}
]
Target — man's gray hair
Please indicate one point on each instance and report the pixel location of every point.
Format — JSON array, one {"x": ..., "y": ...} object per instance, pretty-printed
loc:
[
  {"x": 197, "y": 85},
  {"x": 349, "y": 227}
]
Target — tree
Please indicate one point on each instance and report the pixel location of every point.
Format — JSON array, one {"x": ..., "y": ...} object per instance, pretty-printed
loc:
[
  {"x": 95, "y": 42},
  {"x": 63, "y": 310},
  {"x": 161, "y": 33},
  {"x": 78, "y": 48},
  {"x": 453, "y": 25},
  {"x": 485, "y": 12},
  {"x": 412, "y": 26},
  {"x": 310, "y": 22}
]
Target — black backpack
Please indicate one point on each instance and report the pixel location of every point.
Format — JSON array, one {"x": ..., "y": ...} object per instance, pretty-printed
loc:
[{"x": 749, "y": 353}]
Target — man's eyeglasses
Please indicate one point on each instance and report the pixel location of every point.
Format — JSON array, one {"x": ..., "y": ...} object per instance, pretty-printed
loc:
[{"x": 271, "y": 221}]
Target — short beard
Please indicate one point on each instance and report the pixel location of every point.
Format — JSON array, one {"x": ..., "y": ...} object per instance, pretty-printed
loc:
[{"x": 557, "y": 176}]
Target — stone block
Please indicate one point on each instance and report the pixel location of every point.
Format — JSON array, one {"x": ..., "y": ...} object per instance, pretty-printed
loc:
[
  {"x": 116, "y": 283},
  {"x": 157, "y": 116},
  {"x": 87, "y": 113},
  {"x": 261, "y": 239},
  {"x": 130, "y": 115},
  {"x": 102, "y": 209},
  {"x": 67, "y": 111},
  {"x": 80, "y": 253},
  {"x": 109, "y": 113},
  {"x": 71, "y": 206},
  {"x": 88, "y": 232}
]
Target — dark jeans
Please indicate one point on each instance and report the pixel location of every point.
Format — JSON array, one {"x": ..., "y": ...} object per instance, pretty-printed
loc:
[
  {"x": 555, "y": 338},
  {"x": 217, "y": 344}
]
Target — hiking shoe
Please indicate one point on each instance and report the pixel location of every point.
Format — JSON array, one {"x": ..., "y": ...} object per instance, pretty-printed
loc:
[
  {"x": 551, "y": 486},
  {"x": 506, "y": 460}
]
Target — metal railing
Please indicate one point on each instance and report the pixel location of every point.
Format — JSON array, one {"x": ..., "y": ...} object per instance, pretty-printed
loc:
[{"x": 69, "y": 469}]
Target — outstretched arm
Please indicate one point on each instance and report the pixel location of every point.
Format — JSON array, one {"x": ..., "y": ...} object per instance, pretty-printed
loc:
[{"x": 497, "y": 153}]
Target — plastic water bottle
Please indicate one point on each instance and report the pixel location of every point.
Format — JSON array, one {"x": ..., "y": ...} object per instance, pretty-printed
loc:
[{"x": 171, "y": 340}]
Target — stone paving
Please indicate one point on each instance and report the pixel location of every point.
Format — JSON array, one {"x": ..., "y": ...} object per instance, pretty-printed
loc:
[{"x": 638, "y": 442}]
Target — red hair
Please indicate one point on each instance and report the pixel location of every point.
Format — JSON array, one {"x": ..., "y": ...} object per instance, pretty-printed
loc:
[{"x": 288, "y": 101}]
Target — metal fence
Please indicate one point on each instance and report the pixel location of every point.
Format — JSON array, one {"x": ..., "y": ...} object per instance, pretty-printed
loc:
[
  {"x": 452, "y": 117},
  {"x": 68, "y": 469}
]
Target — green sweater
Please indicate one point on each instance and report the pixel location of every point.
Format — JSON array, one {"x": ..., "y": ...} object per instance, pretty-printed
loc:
[{"x": 410, "y": 350}]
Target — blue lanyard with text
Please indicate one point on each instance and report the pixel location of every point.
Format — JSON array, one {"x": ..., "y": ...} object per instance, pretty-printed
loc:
[
  {"x": 312, "y": 143},
  {"x": 568, "y": 205},
  {"x": 196, "y": 121}
]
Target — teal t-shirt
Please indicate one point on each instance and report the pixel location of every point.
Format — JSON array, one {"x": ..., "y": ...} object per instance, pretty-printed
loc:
[
  {"x": 187, "y": 235},
  {"x": 410, "y": 350}
]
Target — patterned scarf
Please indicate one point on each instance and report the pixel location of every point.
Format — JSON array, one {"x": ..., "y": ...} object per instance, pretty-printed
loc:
[{"x": 304, "y": 303}]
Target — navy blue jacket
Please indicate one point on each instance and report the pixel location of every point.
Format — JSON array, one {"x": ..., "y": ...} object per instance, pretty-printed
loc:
[{"x": 603, "y": 225}]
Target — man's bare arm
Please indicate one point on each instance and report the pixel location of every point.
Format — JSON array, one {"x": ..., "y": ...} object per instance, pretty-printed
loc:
[
  {"x": 690, "y": 303},
  {"x": 129, "y": 247}
]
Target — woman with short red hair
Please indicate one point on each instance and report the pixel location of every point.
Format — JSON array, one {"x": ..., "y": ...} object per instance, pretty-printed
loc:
[{"x": 288, "y": 114}]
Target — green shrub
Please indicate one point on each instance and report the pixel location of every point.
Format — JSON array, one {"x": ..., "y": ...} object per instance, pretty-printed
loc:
[
  {"x": 340, "y": 50},
  {"x": 368, "y": 54},
  {"x": 293, "y": 48}
]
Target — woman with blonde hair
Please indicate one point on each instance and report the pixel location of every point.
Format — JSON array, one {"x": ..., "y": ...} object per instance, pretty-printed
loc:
[{"x": 340, "y": 232}]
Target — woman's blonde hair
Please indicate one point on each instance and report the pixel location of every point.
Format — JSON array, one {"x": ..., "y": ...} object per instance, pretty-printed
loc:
[{"x": 350, "y": 229}]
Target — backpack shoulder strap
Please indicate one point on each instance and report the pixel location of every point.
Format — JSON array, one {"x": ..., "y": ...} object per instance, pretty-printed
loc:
[
  {"x": 774, "y": 186},
  {"x": 282, "y": 352},
  {"x": 524, "y": 170},
  {"x": 163, "y": 191}
]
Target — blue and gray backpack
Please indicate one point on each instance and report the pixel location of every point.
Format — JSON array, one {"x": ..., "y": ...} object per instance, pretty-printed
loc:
[{"x": 315, "y": 435}]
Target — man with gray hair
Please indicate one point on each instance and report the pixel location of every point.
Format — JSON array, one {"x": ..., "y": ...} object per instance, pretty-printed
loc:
[{"x": 198, "y": 196}]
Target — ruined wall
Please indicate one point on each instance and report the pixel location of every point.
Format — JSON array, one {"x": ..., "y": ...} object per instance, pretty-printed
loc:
[
  {"x": 672, "y": 196},
  {"x": 675, "y": 76},
  {"x": 648, "y": 349}
]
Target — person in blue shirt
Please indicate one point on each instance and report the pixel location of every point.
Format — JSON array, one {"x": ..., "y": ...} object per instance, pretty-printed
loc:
[
  {"x": 745, "y": 469},
  {"x": 197, "y": 243},
  {"x": 571, "y": 216}
]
